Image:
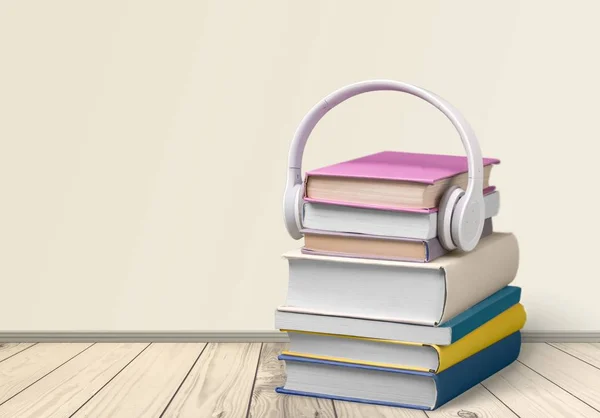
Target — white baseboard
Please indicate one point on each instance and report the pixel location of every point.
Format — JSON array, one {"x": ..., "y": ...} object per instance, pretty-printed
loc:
[
  {"x": 240, "y": 336},
  {"x": 144, "y": 336}
]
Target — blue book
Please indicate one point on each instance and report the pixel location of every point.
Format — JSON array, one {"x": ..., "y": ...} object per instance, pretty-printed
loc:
[
  {"x": 395, "y": 387},
  {"x": 443, "y": 334}
]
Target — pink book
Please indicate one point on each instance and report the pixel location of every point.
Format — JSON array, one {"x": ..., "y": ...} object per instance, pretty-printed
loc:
[{"x": 382, "y": 180}]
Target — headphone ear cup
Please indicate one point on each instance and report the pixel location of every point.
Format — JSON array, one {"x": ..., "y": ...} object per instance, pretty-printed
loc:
[
  {"x": 467, "y": 223},
  {"x": 445, "y": 213}
]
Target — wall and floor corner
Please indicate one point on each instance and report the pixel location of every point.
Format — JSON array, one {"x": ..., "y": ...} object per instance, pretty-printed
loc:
[{"x": 144, "y": 149}]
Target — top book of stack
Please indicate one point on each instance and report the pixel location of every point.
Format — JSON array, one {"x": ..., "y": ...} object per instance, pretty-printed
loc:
[{"x": 385, "y": 205}]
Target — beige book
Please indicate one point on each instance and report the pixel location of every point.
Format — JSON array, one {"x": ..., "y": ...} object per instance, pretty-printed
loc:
[
  {"x": 371, "y": 247},
  {"x": 397, "y": 291}
]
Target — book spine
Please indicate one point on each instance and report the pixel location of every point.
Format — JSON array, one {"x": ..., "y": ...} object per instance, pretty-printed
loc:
[
  {"x": 484, "y": 312},
  {"x": 471, "y": 278},
  {"x": 497, "y": 328},
  {"x": 433, "y": 249},
  {"x": 475, "y": 369}
]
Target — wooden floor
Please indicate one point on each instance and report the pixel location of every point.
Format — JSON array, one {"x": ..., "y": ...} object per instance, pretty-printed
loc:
[{"x": 238, "y": 380}]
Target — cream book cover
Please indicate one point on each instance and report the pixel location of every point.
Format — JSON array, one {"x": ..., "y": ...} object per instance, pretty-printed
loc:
[{"x": 468, "y": 278}]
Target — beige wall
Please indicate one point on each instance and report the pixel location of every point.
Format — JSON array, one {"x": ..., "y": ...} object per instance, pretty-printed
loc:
[{"x": 144, "y": 146}]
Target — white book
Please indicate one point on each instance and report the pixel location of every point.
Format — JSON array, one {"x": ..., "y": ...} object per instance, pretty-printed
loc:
[
  {"x": 396, "y": 291},
  {"x": 369, "y": 386},
  {"x": 337, "y": 218},
  {"x": 286, "y": 319}
]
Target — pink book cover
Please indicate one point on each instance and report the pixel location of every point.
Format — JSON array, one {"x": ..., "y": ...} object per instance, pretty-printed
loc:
[{"x": 398, "y": 166}]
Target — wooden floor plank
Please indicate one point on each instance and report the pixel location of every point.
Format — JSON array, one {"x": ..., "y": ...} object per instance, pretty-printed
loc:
[
  {"x": 360, "y": 410},
  {"x": 145, "y": 387},
  {"x": 588, "y": 352},
  {"x": 24, "y": 369},
  {"x": 476, "y": 402},
  {"x": 530, "y": 395},
  {"x": 53, "y": 380},
  {"x": 266, "y": 403},
  {"x": 568, "y": 372},
  {"x": 10, "y": 349},
  {"x": 63, "y": 391},
  {"x": 220, "y": 384}
]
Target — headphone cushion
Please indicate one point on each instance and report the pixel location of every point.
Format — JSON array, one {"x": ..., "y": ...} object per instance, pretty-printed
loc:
[
  {"x": 445, "y": 213},
  {"x": 299, "y": 206},
  {"x": 292, "y": 209}
]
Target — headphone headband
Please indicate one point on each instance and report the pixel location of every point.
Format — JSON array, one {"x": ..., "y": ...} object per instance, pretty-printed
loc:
[
  {"x": 469, "y": 140},
  {"x": 461, "y": 222}
]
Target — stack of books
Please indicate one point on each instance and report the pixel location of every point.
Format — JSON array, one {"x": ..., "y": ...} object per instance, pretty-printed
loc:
[{"x": 377, "y": 311}]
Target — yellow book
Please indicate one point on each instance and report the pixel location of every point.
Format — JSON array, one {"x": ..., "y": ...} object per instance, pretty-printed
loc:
[{"x": 403, "y": 355}]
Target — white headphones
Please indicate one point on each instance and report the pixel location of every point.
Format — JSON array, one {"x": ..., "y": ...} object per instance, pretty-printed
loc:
[{"x": 460, "y": 215}]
